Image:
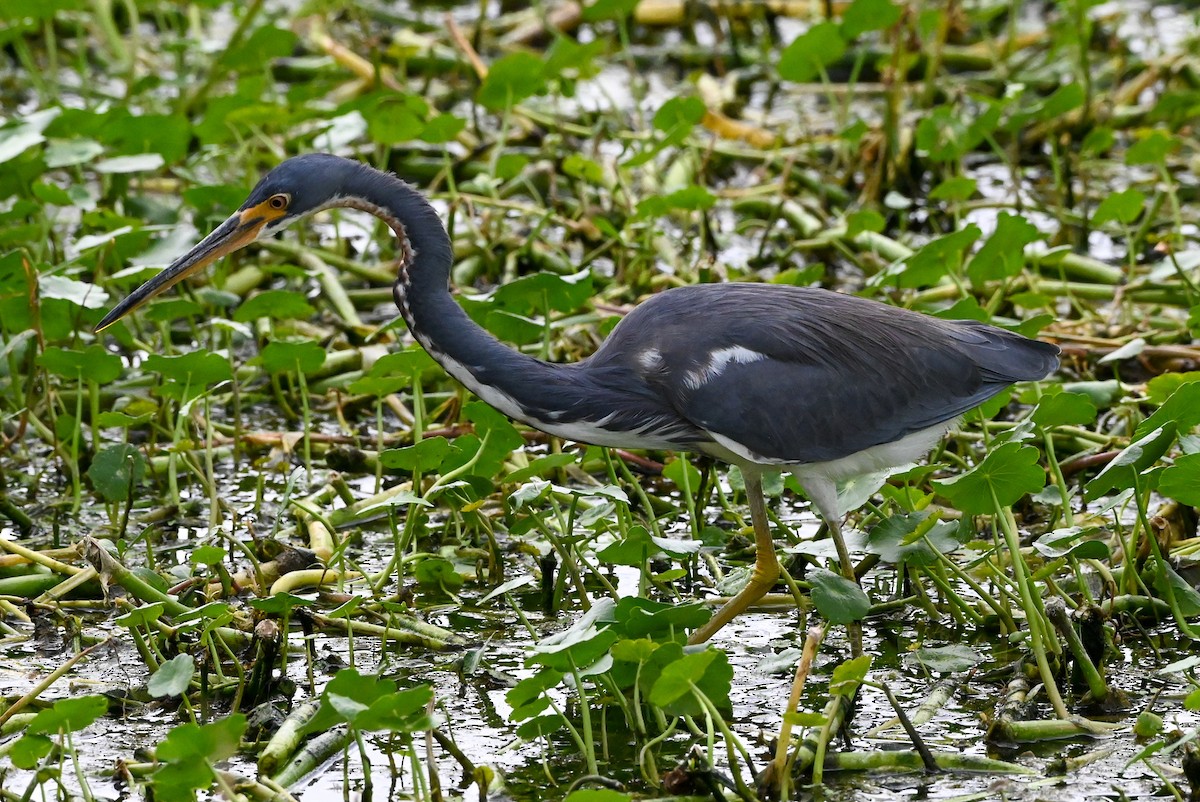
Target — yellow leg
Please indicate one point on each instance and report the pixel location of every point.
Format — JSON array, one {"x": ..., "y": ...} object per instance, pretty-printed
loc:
[{"x": 766, "y": 566}]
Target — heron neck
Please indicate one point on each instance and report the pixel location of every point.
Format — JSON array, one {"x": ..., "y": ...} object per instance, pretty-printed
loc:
[
  {"x": 601, "y": 402},
  {"x": 496, "y": 373}
]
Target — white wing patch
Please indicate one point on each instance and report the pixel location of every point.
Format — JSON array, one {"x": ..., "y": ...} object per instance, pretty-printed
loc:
[
  {"x": 651, "y": 360},
  {"x": 717, "y": 362}
]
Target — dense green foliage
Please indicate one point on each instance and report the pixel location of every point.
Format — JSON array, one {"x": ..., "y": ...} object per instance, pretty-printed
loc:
[{"x": 272, "y": 426}]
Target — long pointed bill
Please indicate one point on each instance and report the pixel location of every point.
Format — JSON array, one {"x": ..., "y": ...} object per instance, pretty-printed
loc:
[{"x": 238, "y": 231}]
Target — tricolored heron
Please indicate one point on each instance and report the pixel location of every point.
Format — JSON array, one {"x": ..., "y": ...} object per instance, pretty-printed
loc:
[{"x": 824, "y": 385}]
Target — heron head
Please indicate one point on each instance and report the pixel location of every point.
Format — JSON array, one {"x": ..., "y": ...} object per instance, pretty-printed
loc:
[{"x": 297, "y": 187}]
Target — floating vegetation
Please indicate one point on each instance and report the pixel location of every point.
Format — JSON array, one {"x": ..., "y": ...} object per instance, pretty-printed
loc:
[{"x": 254, "y": 542}]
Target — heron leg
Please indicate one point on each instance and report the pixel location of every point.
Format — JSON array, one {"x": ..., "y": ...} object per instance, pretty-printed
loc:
[
  {"x": 766, "y": 565},
  {"x": 823, "y": 494},
  {"x": 854, "y": 628}
]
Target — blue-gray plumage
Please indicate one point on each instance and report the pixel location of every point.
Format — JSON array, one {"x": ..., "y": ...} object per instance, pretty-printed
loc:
[
  {"x": 817, "y": 376},
  {"x": 825, "y": 385}
]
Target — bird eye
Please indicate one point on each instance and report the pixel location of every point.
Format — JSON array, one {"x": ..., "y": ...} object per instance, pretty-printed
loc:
[{"x": 279, "y": 202}]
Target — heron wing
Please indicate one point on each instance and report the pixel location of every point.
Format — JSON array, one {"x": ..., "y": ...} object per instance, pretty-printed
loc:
[{"x": 795, "y": 375}]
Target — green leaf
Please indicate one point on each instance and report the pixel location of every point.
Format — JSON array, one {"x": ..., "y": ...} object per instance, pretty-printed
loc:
[
  {"x": 1122, "y": 473},
  {"x": 513, "y": 328},
  {"x": 1181, "y": 481},
  {"x": 608, "y": 9},
  {"x": 188, "y": 754},
  {"x": 509, "y": 165},
  {"x": 29, "y": 750},
  {"x": 142, "y": 616},
  {"x": 869, "y": 15},
  {"x": 808, "y": 54},
  {"x": 706, "y": 672},
  {"x": 528, "y": 697},
  {"x": 837, "y": 599},
  {"x": 1182, "y": 666},
  {"x": 402, "y": 711},
  {"x": 274, "y": 304},
  {"x": 849, "y": 675},
  {"x": 17, "y": 140},
  {"x": 1003, "y": 255},
  {"x": 1064, "y": 409},
  {"x": 378, "y": 386},
  {"x": 575, "y": 648},
  {"x": 68, "y": 715},
  {"x": 638, "y": 650},
  {"x": 543, "y": 292},
  {"x": 408, "y": 363},
  {"x": 442, "y": 128},
  {"x": 165, "y": 310},
  {"x": 1164, "y": 385},
  {"x": 955, "y": 188},
  {"x": 347, "y": 684},
  {"x": 1101, "y": 393},
  {"x": 949, "y": 659},
  {"x": 1152, "y": 148},
  {"x": 636, "y": 617},
  {"x": 279, "y": 604},
  {"x": 511, "y": 79},
  {"x": 395, "y": 118},
  {"x": 690, "y": 198},
  {"x": 71, "y": 152},
  {"x": 597, "y": 795},
  {"x": 1182, "y": 409},
  {"x": 1074, "y": 541},
  {"x": 207, "y": 555},
  {"x": 678, "y": 116},
  {"x": 1009, "y": 472},
  {"x": 1148, "y": 725},
  {"x": 1186, "y": 596},
  {"x": 579, "y": 166},
  {"x": 172, "y": 677},
  {"x": 864, "y": 220},
  {"x": 289, "y": 357},
  {"x": 938, "y": 258},
  {"x": 265, "y": 44},
  {"x": 541, "y": 726},
  {"x": 800, "y": 718},
  {"x": 1066, "y": 98},
  {"x": 15, "y": 11},
  {"x": 1124, "y": 207},
  {"x": 138, "y": 163},
  {"x": 438, "y": 572},
  {"x": 634, "y": 549},
  {"x": 502, "y": 438},
  {"x": 94, "y": 363},
  {"x": 529, "y": 494},
  {"x": 179, "y": 781},
  {"x": 420, "y": 457},
  {"x": 78, "y": 293},
  {"x": 117, "y": 471},
  {"x": 190, "y": 372},
  {"x": 902, "y": 539},
  {"x": 569, "y": 60},
  {"x": 211, "y": 742},
  {"x": 348, "y": 709},
  {"x": 948, "y": 132},
  {"x": 541, "y": 467},
  {"x": 1098, "y": 141}
]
